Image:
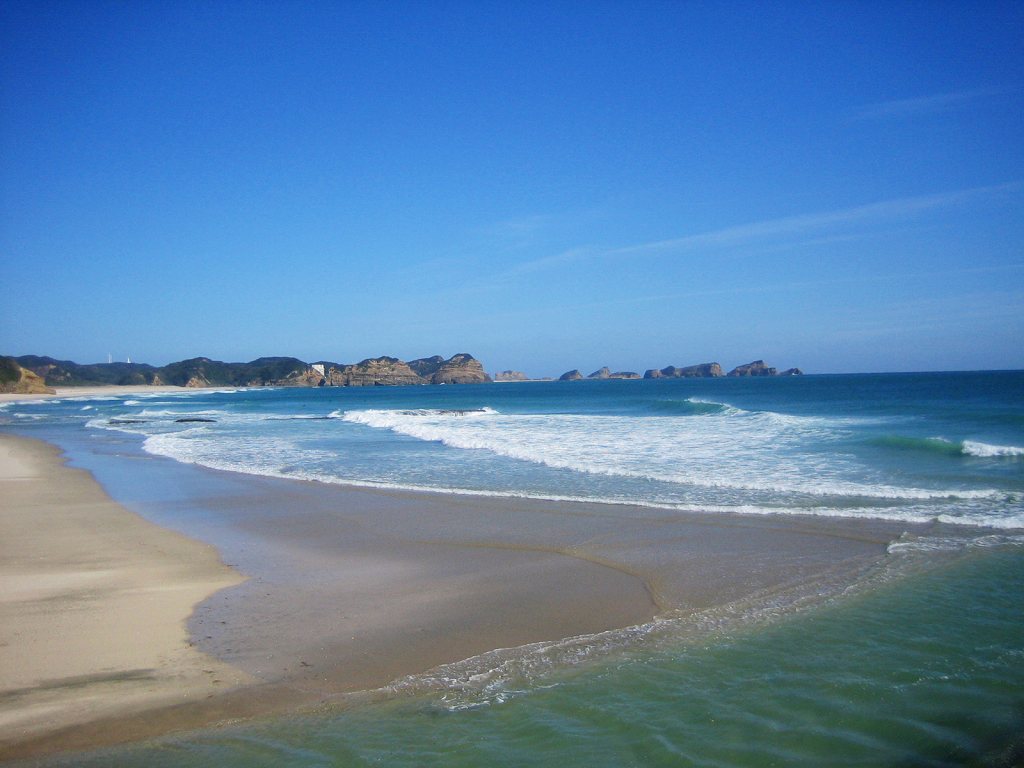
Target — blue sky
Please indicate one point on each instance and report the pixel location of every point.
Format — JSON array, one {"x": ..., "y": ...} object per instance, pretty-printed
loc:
[{"x": 836, "y": 186}]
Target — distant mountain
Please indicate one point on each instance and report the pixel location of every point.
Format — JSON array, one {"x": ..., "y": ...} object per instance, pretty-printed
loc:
[
  {"x": 64, "y": 373},
  {"x": 264, "y": 371}
]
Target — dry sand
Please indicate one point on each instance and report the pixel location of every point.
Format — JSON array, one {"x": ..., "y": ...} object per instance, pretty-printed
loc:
[{"x": 93, "y": 602}]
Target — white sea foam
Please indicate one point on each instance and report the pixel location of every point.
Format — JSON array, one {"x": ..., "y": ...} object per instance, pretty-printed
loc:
[
  {"x": 162, "y": 413},
  {"x": 983, "y": 450},
  {"x": 716, "y": 460},
  {"x": 909, "y": 544},
  {"x": 714, "y": 451}
]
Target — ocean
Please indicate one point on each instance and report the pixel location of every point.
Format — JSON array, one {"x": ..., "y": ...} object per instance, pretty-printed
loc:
[{"x": 919, "y": 662}]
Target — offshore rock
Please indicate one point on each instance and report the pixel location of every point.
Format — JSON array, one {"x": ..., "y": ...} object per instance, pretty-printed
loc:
[
  {"x": 458, "y": 369},
  {"x": 21, "y": 381},
  {"x": 704, "y": 370},
  {"x": 606, "y": 373},
  {"x": 511, "y": 376},
  {"x": 792, "y": 372},
  {"x": 573, "y": 375},
  {"x": 756, "y": 368}
]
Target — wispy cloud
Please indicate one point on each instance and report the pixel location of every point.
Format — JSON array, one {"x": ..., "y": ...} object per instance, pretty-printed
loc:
[
  {"x": 923, "y": 105},
  {"x": 770, "y": 231},
  {"x": 787, "y": 286}
]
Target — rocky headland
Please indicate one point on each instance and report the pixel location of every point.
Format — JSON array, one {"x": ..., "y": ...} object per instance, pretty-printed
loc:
[
  {"x": 458, "y": 369},
  {"x": 20, "y": 381},
  {"x": 262, "y": 372}
]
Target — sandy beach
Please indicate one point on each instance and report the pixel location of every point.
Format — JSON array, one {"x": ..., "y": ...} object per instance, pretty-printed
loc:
[
  {"x": 124, "y": 389},
  {"x": 93, "y": 602},
  {"x": 118, "y": 628}
]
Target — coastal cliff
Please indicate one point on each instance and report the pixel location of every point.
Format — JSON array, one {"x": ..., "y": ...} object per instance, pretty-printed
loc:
[
  {"x": 262, "y": 372},
  {"x": 458, "y": 369},
  {"x": 20, "y": 381},
  {"x": 373, "y": 372}
]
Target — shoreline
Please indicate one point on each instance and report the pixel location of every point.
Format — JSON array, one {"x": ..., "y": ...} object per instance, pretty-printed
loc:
[
  {"x": 101, "y": 389},
  {"x": 352, "y": 588}
]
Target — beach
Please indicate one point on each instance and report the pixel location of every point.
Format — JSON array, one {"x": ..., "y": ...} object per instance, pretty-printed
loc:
[
  {"x": 202, "y": 598},
  {"x": 120, "y": 629},
  {"x": 93, "y": 604}
]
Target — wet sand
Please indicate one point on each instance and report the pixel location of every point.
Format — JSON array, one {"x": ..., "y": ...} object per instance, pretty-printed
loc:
[{"x": 349, "y": 589}]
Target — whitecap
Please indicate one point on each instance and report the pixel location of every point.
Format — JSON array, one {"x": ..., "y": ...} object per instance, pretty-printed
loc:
[{"x": 984, "y": 450}]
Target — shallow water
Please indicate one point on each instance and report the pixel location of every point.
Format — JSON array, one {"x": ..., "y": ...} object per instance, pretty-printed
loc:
[{"x": 927, "y": 670}]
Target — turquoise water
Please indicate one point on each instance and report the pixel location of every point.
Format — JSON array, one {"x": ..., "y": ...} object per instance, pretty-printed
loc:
[
  {"x": 927, "y": 670},
  {"x": 921, "y": 663}
]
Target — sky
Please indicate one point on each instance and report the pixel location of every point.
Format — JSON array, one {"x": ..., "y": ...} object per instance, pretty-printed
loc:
[{"x": 545, "y": 185}]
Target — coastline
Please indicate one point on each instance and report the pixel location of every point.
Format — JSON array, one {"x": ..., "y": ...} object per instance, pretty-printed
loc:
[
  {"x": 350, "y": 588},
  {"x": 99, "y": 389}
]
